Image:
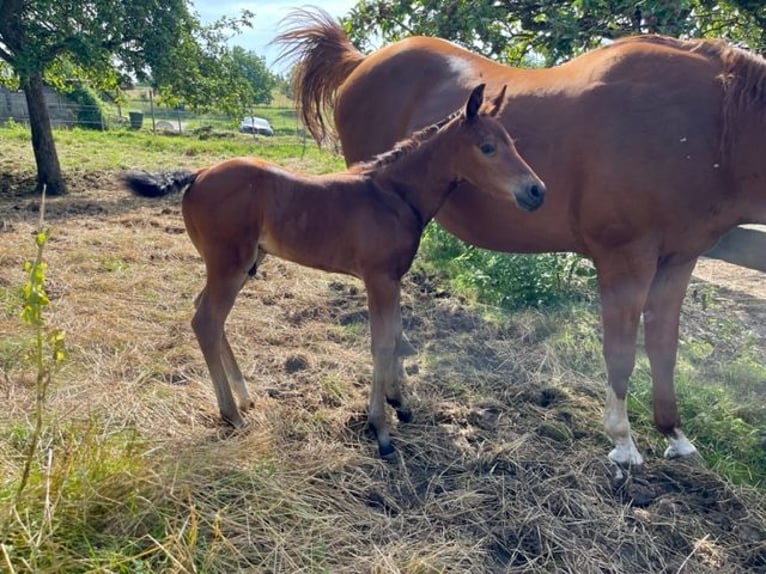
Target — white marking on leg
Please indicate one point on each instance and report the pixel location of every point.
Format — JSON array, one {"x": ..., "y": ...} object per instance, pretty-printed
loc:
[
  {"x": 618, "y": 428},
  {"x": 679, "y": 445}
]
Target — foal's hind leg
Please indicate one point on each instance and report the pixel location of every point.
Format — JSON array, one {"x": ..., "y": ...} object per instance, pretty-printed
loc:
[
  {"x": 233, "y": 374},
  {"x": 661, "y": 317},
  {"x": 213, "y": 306}
]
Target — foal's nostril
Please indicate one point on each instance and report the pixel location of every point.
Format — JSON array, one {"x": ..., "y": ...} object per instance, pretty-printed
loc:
[{"x": 535, "y": 196}]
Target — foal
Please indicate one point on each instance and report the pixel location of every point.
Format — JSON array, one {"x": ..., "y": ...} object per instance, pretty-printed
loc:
[{"x": 364, "y": 222}]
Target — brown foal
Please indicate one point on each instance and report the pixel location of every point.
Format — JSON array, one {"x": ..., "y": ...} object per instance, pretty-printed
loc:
[{"x": 366, "y": 222}]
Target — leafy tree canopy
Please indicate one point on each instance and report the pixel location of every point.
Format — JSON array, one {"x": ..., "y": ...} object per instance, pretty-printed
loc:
[
  {"x": 106, "y": 42},
  {"x": 517, "y": 30}
]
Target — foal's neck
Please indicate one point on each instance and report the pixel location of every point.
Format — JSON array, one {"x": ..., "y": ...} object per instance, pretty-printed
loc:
[{"x": 423, "y": 178}]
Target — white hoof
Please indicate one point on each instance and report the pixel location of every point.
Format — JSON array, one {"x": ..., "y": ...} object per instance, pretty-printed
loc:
[
  {"x": 679, "y": 446},
  {"x": 626, "y": 454}
]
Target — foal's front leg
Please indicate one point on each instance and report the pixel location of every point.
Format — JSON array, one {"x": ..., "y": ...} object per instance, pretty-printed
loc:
[{"x": 385, "y": 323}]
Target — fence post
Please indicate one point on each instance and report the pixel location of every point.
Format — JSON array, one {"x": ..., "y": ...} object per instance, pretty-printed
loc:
[{"x": 151, "y": 109}]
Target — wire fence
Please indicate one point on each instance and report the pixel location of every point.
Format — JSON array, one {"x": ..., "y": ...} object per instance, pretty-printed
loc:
[{"x": 140, "y": 115}]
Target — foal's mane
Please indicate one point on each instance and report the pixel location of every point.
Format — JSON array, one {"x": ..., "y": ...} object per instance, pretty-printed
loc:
[
  {"x": 402, "y": 148},
  {"x": 406, "y": 146}
]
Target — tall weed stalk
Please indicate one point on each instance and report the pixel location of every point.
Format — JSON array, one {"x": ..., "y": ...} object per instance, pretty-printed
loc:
[{"x": 44, "y": 339}]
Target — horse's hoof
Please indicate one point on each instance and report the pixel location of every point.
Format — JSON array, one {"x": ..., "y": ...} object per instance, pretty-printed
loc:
[
  {"x": 236, "y": 421},
  {"x": 626, "y": 456},
  {"x": 404, "y": 415},
  {"x": 386, "y": 451},
  {"x": 680, "y": 447},
  {"x": 246, "y": 405}
]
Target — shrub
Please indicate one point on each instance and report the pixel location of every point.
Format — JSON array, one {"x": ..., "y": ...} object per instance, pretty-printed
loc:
[
  {"x": 91, "y": 113},
  {"x": 505, "y": 279}
]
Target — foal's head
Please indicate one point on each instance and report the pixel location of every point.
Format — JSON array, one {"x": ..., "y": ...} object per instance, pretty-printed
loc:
[{"x": 488, "y": 158}]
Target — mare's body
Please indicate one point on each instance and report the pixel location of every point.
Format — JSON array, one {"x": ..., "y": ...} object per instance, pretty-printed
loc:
[{"x": 651, "y": 149}]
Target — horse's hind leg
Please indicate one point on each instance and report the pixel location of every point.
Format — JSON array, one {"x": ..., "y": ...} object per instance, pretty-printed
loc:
[
  {"x": 213, "y": 306},
  {"x": 235, "y": 376},
  {"x": 383, "y": 300},
  {"x": 661, "y": 317}
]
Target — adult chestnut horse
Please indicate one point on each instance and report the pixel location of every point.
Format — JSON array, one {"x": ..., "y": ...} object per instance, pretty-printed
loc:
[
  {"x": 365, "y": 222},
  {"x": 651, "y": 149}
]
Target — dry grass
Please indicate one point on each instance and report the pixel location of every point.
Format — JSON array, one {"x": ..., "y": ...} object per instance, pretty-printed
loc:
[{"x": 502, "y": 470}]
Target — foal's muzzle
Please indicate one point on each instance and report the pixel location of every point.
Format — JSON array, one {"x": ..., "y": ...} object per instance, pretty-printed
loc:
[{"x": 530, "y": 195}]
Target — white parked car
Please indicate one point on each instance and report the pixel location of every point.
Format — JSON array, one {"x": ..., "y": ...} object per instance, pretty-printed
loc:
[{"x": 255, "y": 125}]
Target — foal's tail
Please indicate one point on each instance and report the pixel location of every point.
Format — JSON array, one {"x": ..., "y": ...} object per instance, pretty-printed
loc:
[
  {"x": 325, "y": 58},
  {"x": 158, "y": 184}
]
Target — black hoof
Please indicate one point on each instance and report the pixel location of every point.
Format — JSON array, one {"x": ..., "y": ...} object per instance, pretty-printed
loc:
[
  {"x": 386, "y": 451},
  {"x": 404, "y": 415},
  {"x": 237, "y": 422}
]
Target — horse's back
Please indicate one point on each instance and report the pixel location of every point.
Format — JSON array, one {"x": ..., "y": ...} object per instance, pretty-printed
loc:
[
  {"x": 628, "y": 132},
  {"x": 392, "y": 92}
]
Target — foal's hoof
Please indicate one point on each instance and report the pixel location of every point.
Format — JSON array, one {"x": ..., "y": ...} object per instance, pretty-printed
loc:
[
  {"x": 404, "y": 415},
  {"x": 236, "y": 421},
  {"x": 246, "y": 405},
  {"x": 386, "y": 451}
]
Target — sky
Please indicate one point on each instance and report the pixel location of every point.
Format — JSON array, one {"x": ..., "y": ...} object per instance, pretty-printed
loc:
[{"x": 266, "y": 21}]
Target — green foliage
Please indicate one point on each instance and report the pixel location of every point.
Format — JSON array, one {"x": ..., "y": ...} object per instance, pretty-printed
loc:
[
  {"x": 260, "y": 81},
  {"x": 519, "y": 32},
  {"x": 89, "y": 500},
  {"x": 91, "y": 113},
  {"x": 45, "y": 340},
  {"x": 505, "y": 279}
]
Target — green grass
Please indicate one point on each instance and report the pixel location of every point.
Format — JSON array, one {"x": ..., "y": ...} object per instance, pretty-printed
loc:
[{"x": 123, "y": 148}]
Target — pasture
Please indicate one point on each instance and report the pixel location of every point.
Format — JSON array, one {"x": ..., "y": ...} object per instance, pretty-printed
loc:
[{"x": 503, "y": 468}]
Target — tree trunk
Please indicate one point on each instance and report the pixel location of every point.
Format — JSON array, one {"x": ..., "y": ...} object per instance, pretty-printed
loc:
[{"x": 48, "y": 167}]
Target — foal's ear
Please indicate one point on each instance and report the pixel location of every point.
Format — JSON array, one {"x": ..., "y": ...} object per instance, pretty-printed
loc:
[
  {"x": 498, "y": 102},
  {"x": 474, "y": 102}
]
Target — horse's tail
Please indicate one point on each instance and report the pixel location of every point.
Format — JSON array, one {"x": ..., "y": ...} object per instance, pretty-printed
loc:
[
  {"x": 325, "y": 58},
  {"x": 159, "y": 184}
]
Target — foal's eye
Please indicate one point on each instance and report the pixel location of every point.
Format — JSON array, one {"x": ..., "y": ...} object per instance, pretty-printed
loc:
[{"x": 487, "y": 148}]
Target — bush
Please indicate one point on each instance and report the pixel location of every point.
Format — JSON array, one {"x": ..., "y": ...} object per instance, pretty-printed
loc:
[
  {"x": 91, "y": 113},
  {"x": 505, "y": 279}
]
